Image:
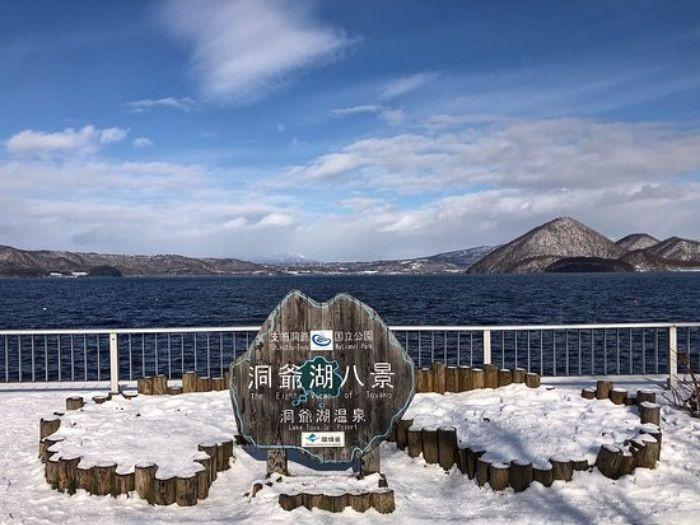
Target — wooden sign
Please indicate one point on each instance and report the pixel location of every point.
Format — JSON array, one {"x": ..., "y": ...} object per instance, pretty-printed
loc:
[{"x": 329, "y": 379}]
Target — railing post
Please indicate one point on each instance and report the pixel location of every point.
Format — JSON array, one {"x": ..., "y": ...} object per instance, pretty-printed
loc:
[
  {"x": 487, "y": 347},
  {"x": 113, "y": 363},
  {"x": 672, "y": 357}
]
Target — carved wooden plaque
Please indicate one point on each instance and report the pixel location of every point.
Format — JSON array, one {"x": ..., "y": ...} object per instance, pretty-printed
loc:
[{"x": 329, "y": 379}]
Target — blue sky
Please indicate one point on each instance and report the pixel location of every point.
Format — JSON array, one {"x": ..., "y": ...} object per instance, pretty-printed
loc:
[{"x": 343, "y": 130}]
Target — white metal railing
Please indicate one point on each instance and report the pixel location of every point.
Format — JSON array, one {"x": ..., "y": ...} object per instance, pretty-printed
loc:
[{"x": 569, "y": 350}]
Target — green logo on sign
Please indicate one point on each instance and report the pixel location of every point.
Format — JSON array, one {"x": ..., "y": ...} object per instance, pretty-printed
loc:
[{"x": 319, "y": 377}]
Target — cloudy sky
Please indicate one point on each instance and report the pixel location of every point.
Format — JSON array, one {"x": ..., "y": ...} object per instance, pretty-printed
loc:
[{"x": 343, "y": 130}]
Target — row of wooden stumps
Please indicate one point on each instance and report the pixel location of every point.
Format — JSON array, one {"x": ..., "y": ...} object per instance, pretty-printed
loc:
[
  {"x": 65, "y": 474},
  {"x": 439, "y": 445},
  {"x": 620, "y": 459},
  {"x": 440, "y": 378},
  {"x": 191, "y": 382},
  {"x": 382, "y": 500}
]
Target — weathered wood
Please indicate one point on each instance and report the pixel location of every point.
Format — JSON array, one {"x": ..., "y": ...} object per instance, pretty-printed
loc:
[
  {"x": 490, "y": 376},
  {"x": 477, "y": 378},
  {"x": 609, "y": 461},
  {"x": 383, "y": 501},
  {"x": 392, "y": 434},
  {"x": 186, "y": 490},
  {"x": 189, "y": 382},
  {"x": 482, "y": 471},
  {"x": 646, "y": 395},
  {"x": 472, "y": 458},
  {"x": 447, "y": 447},
  {"x": 505, "y": 377},
  {"x": 48, "y": 425},
  {"x": 654, "y": 431},
  {"x": 646, "y": 450},
  {"x": 124, "y": 482},
  {"x": 51, "y": 471},
  {"x": 588, "y": 393},
  {"x": 370, "y": 462},
  {"x": 414, "y": 441},
  {"x": 618, "y": 395},
  {"x": 580, "y": 464},
  {"x": 532, "y": 380},
  {"x": 203, "y": 384},
  {"x": 45, "y": 446},
  {"x": 464, "y": 378},
  {"x": 402, "y": 433},
  {"x": 104, "y": 478},
  {"x": 74, "y": 403},
  {"x": 452, "y": 379},
  {"x": 164, "y": 490},
  {"x": 627, "y": 463},
  {"x": 129, "y": 395},
  {"x": 649, "y": 412},
  {"x": 439, "y": 373},
  {"x": 276, "y": 462},
  {"x": 203, "y": 483},
  {"x": 289, "y": 501},
  {"x": 159, "y": 385},
  {"x": 543, "y": 473},
  {"x": 68, "y": 473},
  {"x": 360, "y": 501},
  {"x": 424, "y": 382},
  {"x": 562, "y": 469},
  {"x": 602, "y": 389},
  {"x": 144, "y": 480},
  {"x": 499, "y": 476},
  {"x": 210, "y": 449},
  {"x": 226, "y": 445},
  {"x": 144, "y": 385},
  {"x": 520, "y": 475},
  {"x": 462, "y": 459},
  {"x": 218, "y": 384},
  {"x": 429, "y": 440},
  {"x": 519, "y": 375},
  {"x": 174, "y": 390},
  {"x": 85, "y": 478},
  {"x": 101, "y": 398}
]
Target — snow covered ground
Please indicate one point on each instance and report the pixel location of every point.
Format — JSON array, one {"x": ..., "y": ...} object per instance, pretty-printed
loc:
[{"x": 424, "y": 494}]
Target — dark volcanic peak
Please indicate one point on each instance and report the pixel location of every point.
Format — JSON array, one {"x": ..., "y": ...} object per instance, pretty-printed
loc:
[
  {"x": 540, "y": 247},
  {"x": 637, "y": 241}
]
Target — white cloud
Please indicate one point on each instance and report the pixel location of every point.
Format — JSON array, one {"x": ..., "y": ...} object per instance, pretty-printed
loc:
[
  {"x": 142, "y": 142},
  {"x": 242, "y": 49},
  {"x": 391, "y": 116},
  {"x": 402, "y": 85},
  {"x": 185, "y": 104},
  {"x": 84, "y": 140}
]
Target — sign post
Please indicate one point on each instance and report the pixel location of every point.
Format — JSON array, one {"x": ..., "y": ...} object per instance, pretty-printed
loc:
[{"x": 329, "y": 379}]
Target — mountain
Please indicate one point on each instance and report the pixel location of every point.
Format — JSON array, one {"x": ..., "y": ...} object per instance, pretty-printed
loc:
[
  {"x": 672, "y": 254},
  {"x": 546, "y": 244},
  {"x": 637, "y": 241},
  {"x": 14, "y": 262},
  {"x": 677, "y": 249}
]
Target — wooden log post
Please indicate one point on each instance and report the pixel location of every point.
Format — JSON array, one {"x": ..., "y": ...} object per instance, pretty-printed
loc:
[
  {"x": 649, "y": 413},
  {"x": 618, "y": 395},
  {"x": 360, "y": 501},
  {"x": 630, "y": 400},
  {"x": 532, "y": 380},
  {"x": 144, "y": 385},
  {"x": 203, "y": 482},
  {"x": 402, "y": 433},
  {"x": 174, "y": 390},
  {"x": 227, "y": 451},
  {"x": 124, "y": 482},
  {"x": 627, "y": 463},
  {"x": 490, "y": 376},
  {"x": 429, "y": 440},
  {"x": 383, "y": 501},
  {"x": 645, "y": 449},
  {"x": 562, "y": 469},
  {"x": 51, "y": 471},
  {"x": 505, "y": 377},
  {"x": 289, "y": 501},
  {"x": 580, "y": 464},
  {"x": 186, "y": 490},
  {"x": 104, "y": 478},
  {"x": 472, "y": 459},
  {"x": 588, "y": 393},
  {"x": 477, "y": 378},
  {"x": 227, "y": 379},
  {"x": 203, "y": 384},
  {"x": 189, "y": 382},
  {"x": 520, "y": 475},
  {"x": 543, "y": 473},
  {"x": 48, "y": 425},
  {"x": 452, "y": 379},
  {"x": 45, "y": 446},
  {"x": 101, "y": 398},
  {"x": 602, "y": 389},
  {"x": 159, "y": 385},
  {"x": 439, "y": 373},
  {"x": 482, "y": 471},
  {"x": 74, "y": 403},
  {"x": 164, "y": 490},
  {"x": 499, "y": 476},
  {"x": 210, "y": 449},
  {"x": 415, "y": 445},
  {"x": 370, "y": 462},
  {"x": 447, "y": 447},
  {"x": 609, "y": 461},
  {"x": 423, "y": 381},
  {"x": 464, "y": 378},
  {"x": 144, "y": 480},
  {"x": 519, "y": 375},
  {"x": 276, "y": 462},
  {"x": 85, "y": 478},
  {"x": 646, "y": 395},
  {"x": 218, "y": 384},
  {"x": 68, "y": 473},
  {"x": 655, "y": 432},
  {"x": 462, "y": 458},
  {"x": 129, "y": 395}
]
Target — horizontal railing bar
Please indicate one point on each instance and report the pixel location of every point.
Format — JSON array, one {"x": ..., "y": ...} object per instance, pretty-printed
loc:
[{"x": 396, "y": 328}]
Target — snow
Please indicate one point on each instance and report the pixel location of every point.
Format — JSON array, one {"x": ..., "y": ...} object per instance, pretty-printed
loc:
[
  {"x": 528, "y": 424},
  {"x": 424, "y": 493}
]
